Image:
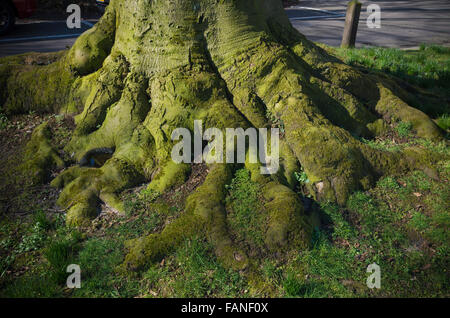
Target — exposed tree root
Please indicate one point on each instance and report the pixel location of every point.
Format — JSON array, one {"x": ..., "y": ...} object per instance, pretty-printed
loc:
[{"x": 149, "y": 67}]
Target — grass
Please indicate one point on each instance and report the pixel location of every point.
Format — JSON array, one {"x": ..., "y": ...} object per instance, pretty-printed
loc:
[
  {"x": 429, "y": 66},
  {"x": 382, "y": 144},
  {"x": 202, "y": 275},
  {"x": 24, "y": 244},
  {"x": 404, "y": 129},
  {"x": 246, "y": 216},
  {"x": 444, "y": 122},
  {"x": 98, "y": 260},
  {"x": 386, "y": 226},
  {"x": 401, "y": 224},
  {"x": 60, "y": 254}
]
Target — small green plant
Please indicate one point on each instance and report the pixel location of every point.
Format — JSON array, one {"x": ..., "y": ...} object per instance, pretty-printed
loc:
[
  {"x": 444, "y": 121},
  {"x": 39, "y": 217},
  {"x": 301, "y": 177},
  {"x": 303, "y": 180},
  {"x": 293, "y": 287},
  {"x": 385, "y": 145},
  {"x": 388, "y": 183},
  {"x": 35, "y": 239},
  {"x": 59, "y": 254},
  {"x": 4, "y": 122},
  {"x": 37, "y": 236},
  {"x": 438, "y": 147},
  {"x": 276, "y": 121},
  {"x": 404, "y": 129},
  {"x": 149, "y": 195}
]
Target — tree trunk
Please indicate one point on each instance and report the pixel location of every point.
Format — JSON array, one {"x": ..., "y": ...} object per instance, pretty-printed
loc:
[{"x": 151, "y": 66}]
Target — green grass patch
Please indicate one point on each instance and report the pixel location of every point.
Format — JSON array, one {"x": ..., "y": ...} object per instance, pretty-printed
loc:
[
  {"x": 429, "y": 66},
  {"x": 404, "y": 129},
  {"x": 444, "y": 122},
  {"x": 200, "y": 275},
  {"x": 247, "y": 217}
]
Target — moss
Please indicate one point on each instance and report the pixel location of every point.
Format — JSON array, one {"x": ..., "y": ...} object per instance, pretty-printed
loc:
[
  {"x": 393, "y": 107},
  {"x": 246, "y": 217},
  {"x": 172, "y": 175},
  {"x": 42, "y": 88},
  {"x": 40, "y": 157},
  {"x": 82, "y": 212},
  {"x": 162, "y": 208},
  {"x": 92, "y": 47},
  {"x": 266, "y": 210},
  {"x": 207, "y": 202},
  {"x": 288, "y": 228},
  {"x": 378, "y": 127},
  {"x": 113, "y": 201},
  {"x": 143, "y": 251},
  {"x": 289, "y": 165},
  {"x": 67, "y": 176},
  {"x": 105, "y": 90}
]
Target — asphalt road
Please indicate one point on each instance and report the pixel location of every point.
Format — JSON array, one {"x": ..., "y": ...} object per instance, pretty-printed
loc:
[
  {"x": 404, "y": 24},
  {"x": 40, "y": 36}
]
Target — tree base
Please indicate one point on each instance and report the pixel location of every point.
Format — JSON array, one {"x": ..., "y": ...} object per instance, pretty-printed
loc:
[{"x": 139, "y": 74}]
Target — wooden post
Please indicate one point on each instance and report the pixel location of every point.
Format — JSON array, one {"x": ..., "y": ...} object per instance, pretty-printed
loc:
[{"x": 351, "y": 24}]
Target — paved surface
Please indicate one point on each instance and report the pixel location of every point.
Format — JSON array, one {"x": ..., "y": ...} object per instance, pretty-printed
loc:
[
  {"x": 40, "y": 36},
  {"x": 404, "y": 24}
]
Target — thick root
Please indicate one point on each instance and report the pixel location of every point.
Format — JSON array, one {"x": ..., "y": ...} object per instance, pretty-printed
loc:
[
  {"x": 85, "y": 188},
  {"x": 40, "y": 157},
  {"x": 288, "y": 227},
  {"x": 322, "y": 110},
  {"x": 205, "y": 214}
]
